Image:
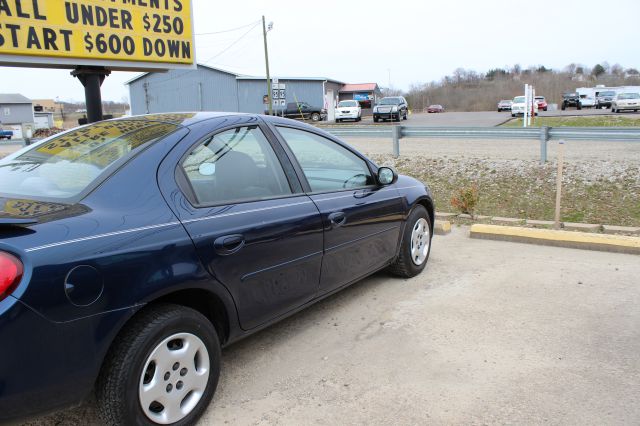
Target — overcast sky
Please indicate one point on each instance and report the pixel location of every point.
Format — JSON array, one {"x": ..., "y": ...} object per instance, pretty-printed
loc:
[{"x": 366, "y": 41}]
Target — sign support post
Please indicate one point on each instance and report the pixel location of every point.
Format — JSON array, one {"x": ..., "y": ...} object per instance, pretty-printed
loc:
[{"x": 92, "y": 78}]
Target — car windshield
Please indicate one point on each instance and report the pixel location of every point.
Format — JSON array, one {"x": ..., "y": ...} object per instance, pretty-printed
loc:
[
  {"x": 518, "y": 100},
  {"x": 570, "y": 95},
  {"x": 344, "y": 104},
  {"x": 63, "y": 166},
  {"x": 629, "y": 96},
  {"x": 390, "y": 101},
  {"x": 607, "y": 93},
  {"x": 505, "y": 101},
  {"x": 539, "y": 98}
]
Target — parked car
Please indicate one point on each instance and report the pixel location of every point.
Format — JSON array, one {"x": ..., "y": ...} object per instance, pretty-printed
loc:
[
  {"x": 134, "y": 249},
  {"x": 391, "y": 108},
  {"x": 518, "y": 106},
  {"x": 626, "y": 102},
  {"x": 435, "y": 108},
  {"x": 587, "y": 101},
  {"x": 6, "y": 134},
  {"x": 604, "y": 99},
  {"x": 571, "y": 99},
  {"x": 505, "y": 105},
  {"x": 541, "y": 102},
  {"x": 348, "y": 110},
  {"x": 301, "y": 110}
]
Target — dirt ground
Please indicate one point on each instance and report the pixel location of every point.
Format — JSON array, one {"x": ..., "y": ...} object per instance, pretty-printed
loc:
[{"x": 490, "y": 333}]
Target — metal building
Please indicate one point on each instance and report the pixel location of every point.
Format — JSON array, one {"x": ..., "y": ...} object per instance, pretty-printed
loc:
[
  {"x": 212, "y": 89},
  {"x": 16, "y": 114}
]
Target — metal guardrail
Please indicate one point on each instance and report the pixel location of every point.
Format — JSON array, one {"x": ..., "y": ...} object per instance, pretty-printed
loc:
[{"x": 543, "y": 134}]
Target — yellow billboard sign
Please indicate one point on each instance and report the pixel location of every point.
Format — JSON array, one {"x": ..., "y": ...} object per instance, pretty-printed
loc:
[{"x": 124, "y": 34}]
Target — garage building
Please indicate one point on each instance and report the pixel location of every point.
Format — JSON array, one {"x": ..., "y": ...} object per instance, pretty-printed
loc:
[
  {"x": 368, "y": 94},
  {"x": 16, "y": 114},
  {"x": 211, "y": 89}
]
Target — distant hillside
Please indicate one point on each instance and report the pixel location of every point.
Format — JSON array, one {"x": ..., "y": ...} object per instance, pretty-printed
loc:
[{"x": 467, "y": 90}]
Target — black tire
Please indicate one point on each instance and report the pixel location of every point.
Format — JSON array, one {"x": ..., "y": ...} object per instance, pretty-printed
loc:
[
  {"x": 338, "y": 120},
  {"x": 579, "y": 106},
  {"x": 564, "y": 106},
  {"x": 375, "y": 119},
  {"x": 513, "y": 115},
  {"x": 119, "y": 380},
  {"x": 315, "y": 116},
  {"x": 544, "y": 109},
  {"x": 405, "y": 116},
  {"x": 404, "y": 266}
]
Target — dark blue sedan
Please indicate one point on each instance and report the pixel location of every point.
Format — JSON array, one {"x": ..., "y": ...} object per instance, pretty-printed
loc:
[{"x": 132, "y": 250}]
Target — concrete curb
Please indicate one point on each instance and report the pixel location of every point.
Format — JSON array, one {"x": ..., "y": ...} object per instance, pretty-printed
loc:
[
  {"x": 568, "y": 239},
  {"x": 442, "y": 227},
  {"x": 507, "y": 221}
]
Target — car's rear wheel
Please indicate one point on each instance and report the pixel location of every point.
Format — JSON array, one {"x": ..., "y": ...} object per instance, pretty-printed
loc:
[
  {"x": 163, "y": 369},
  {"x": 315, "y": 117},
  {"x": 415, "y": 246},
  {"x": 564, "y": 106}
]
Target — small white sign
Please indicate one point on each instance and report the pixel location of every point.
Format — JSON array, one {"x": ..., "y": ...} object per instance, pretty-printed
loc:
[
  {"x": 275, "y": 81},
  {"x": 282, "y": 86},
  {"x": 283, "y": 102}
]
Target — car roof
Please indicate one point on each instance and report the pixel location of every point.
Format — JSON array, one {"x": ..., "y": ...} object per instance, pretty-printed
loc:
[{"x": 182, "y": 118}]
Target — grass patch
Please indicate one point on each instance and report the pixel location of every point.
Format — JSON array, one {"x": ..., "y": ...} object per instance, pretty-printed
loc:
[
  {"x": 581, "y": 121},
  {"x": 524, "y": 189}
]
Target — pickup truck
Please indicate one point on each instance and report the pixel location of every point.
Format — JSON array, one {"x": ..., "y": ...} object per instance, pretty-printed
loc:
[
  {"x": 6, "y": 134},
  {"x": 300, "y": 110}
]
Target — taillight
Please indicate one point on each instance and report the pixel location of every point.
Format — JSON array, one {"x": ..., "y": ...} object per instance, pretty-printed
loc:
[{"x": 11, "y": 270}]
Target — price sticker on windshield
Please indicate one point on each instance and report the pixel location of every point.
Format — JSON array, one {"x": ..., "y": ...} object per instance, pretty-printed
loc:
[{"x": 124, "y": 34}]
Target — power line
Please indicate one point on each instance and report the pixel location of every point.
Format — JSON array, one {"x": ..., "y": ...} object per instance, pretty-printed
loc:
[
  {"x": 228, "y": 31},
  {"x": 233, "y": 44}
]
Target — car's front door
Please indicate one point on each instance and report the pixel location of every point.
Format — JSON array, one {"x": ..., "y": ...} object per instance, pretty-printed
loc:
[
  {"x": 254, "y": 230},
  {"x": 361, "y": 219}
]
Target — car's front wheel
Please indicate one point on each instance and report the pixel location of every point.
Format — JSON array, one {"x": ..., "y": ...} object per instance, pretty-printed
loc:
[
  {"x": 315, "y": 117},
  {"x": 163, "y": 369},
  {"x": 415, "y": 246}
]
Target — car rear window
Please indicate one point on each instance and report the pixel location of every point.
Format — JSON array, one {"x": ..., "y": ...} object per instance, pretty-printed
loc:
[{"x": 62, "y": 167}]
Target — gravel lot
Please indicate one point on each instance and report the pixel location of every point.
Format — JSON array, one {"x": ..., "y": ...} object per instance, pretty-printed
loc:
[{"x": 491, "y": 333}]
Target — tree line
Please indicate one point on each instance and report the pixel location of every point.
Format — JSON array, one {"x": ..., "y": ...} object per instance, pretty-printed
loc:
[{"x": 468, "y": 90}]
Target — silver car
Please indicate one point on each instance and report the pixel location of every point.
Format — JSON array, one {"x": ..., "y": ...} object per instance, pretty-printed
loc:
[{"x": 626, "y": 101}]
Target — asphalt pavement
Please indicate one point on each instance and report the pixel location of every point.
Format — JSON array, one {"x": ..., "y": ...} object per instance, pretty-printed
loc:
[
  {"x": 471, "y": 119},
  {"x": 491, "y": 333}
]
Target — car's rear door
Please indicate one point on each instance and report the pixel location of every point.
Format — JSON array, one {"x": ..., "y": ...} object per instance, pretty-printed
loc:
[
  {"x": 253, "y": 228},
  {"x": 362, "y": 220}
]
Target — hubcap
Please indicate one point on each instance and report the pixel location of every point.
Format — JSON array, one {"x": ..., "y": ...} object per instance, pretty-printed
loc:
[
  {"x": 420, "y": 241},
  {"x": 174, "y": 378}
]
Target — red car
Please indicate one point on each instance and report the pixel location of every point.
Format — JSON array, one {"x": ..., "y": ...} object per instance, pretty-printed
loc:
[
  {"x": 542, "y": 103},
  {"x": 435, "y": 108}
]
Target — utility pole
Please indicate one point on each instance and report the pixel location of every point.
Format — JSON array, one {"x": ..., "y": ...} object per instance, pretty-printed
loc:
[{"x": 266, "y": 60}]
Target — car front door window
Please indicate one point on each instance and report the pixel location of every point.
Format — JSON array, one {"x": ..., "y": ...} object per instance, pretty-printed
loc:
[{"x": 326, "y": 165}]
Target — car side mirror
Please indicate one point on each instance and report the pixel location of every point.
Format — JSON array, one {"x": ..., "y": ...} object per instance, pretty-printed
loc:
[{"x": 387, "y": 176}]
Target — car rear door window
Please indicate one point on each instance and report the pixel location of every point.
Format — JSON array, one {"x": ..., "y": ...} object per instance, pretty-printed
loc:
[
  {"x": 235, "y": 165},
  {"x": 327, "y": 165}
]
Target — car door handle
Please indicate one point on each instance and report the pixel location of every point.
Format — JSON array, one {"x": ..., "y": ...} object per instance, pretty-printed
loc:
[
  {"x": 337, "y": 218},
  {"x": 228, "y": 244}
]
